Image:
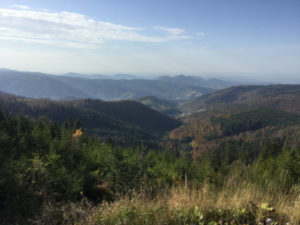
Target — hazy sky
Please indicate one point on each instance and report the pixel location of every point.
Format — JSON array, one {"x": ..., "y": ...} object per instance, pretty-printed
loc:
[{"x": 151, "y": 37}]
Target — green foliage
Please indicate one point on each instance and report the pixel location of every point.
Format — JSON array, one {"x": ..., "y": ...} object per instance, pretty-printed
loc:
[
  {"x": 45, "y": 162},
  {"x": 160, "y": 105},
  {"x": 126, "y": 123},
  {"x": 243, "y": 98},
  {"x": 256, "y": 119},
  {"x": 278, "y": 165}
]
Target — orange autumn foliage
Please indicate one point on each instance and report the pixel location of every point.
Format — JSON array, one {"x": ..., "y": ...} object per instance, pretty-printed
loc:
[{"x": 77, "y": 133}]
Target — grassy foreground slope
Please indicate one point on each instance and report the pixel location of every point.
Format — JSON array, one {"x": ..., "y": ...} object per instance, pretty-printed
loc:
[{"x": 236, "y": 203}]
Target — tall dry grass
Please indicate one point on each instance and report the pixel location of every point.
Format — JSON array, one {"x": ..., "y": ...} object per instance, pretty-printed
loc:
[
  {"x": 237, "y": 201},
  {"x": 243, "y": 204}
]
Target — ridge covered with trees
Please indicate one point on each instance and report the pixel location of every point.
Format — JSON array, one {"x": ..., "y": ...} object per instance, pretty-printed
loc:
[
  {"x": 239, "y": 98},
  {"x": 124, "y": 122}
]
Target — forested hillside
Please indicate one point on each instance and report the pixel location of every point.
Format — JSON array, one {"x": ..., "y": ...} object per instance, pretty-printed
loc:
[
  {"x": 234, "y": 99},
  {"x": 235, "y": 164},
  {"x": 160, "y": 105},
  {"x": 245, "y": 115},
  {"x": 52, "y": 174},
  {"x": 123, "y": 122}
]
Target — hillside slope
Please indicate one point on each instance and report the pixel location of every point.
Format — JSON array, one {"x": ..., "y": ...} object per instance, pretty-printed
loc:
[
  {"x": 282, "y": 97},
  {"x": 121, "y": 120},
  {"x": 163, "y": 106},
  {"x": 247, "y": 116}
]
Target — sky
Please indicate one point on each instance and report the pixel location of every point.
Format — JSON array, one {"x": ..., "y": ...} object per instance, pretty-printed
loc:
[{"x": 166, "y": 37}]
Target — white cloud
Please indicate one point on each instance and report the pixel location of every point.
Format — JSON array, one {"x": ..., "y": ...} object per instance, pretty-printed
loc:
[
  {"x": 175, "y": 33},
  {"x": 73, "y": 30},
  {"x": 24, "y": 7},
  {"x": 200, "y": 34}
]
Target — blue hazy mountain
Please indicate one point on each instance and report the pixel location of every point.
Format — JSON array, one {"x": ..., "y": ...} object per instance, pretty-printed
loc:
[{"x": 39, "y": 85}]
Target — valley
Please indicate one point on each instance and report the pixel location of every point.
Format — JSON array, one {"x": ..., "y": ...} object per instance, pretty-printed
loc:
[
  {"x": 90, "y": 151},
  {"x": 149, "y": 112}
]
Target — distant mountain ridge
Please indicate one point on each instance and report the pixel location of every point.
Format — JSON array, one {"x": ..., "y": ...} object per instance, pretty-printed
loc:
[
  {"x": 74, "y": 86},
  {"x": 196, "y": 81},
  {"x": 101, "y": 76},
  {"x": 134, "y": 89},
  {"x": 36, "y": 85}
]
